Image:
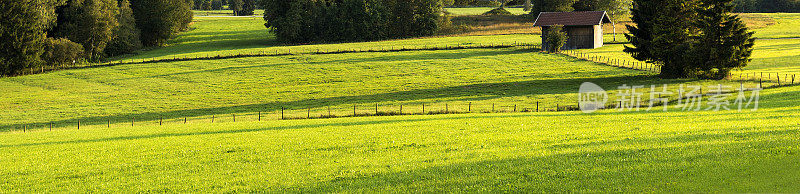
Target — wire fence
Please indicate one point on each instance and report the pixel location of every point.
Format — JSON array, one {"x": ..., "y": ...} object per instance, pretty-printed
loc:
[
  {"x": 295, "y": 113},
  {"x": 765, "y": 79}
]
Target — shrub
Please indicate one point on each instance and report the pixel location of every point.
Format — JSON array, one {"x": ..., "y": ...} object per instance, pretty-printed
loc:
[
  {"x": 498, "y": 11},
  {"x": 62, "y": 52},
  {"x": 556, "y": 38}
]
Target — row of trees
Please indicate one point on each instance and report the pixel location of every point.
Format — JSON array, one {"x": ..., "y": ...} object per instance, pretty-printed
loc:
[
  {"x": 614, "y": 8},
  {"x": 55, "y": 33},
  {"x": 242, "y": 7},
  {"x": 239, "y": 7},
  {"x": 209, "y": 4},
  {"x": 304, "y": 21},
  {"x": 689, "y": 38},
  {"x": 767, "y": 6}
]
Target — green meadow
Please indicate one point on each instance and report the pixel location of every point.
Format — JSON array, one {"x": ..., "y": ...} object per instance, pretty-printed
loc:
[{"x": 147, "y": 127}]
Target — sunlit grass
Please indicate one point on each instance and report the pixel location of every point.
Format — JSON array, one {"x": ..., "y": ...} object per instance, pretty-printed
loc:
[
  {"x": 607, "y": 151},
  {"x": 481, "y": 10},
  {"x": 556, "y": 152}
]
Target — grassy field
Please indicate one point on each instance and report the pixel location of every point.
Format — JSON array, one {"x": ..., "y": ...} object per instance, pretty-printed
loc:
[
  {"x": 175, "y": 90},
  {"x": 224, "y": 12},
  {"x": 675, "y": 151},
  {"x": 460, "y": 11},
  {"x": 608, "y": 151}
]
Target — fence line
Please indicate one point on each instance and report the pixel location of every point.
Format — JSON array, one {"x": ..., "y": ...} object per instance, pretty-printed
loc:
[
  {"x": 283, "y": 113},
  {"x": 340, "y": 111},
  {"x": 776, "y": 78}
]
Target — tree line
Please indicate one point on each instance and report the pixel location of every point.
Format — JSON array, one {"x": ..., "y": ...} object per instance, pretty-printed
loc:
[
  {"x": 60, "y": 33},
  {"x": 239, "y": 7},
  {"x": 614, "y": 8},
  {"x": 766, "y": 6},
  {"x": 305, "y": 21}
]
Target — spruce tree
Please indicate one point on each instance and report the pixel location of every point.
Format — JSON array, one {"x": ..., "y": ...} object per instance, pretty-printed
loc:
[
  {"x": 724, "y": 41},
  {"x": 662, "y": 34}
]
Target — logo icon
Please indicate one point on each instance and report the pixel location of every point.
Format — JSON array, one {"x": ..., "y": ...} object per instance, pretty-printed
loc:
[{"x": 591, "y": 97}]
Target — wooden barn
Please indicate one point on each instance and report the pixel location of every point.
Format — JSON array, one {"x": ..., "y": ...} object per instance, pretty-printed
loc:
[{"x": 584, "y": 28}]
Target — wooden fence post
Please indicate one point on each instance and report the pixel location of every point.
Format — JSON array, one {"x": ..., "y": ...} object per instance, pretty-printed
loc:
[
  {"x": 160, "y": 120},
  {"x": 184, "y": 120},
  {"x": 515, "y": 108},
  {"x": 79, "y": 124},
  {"x": 133, "y": 120},
  {"x": 469, "y": 107},
  {"x": 401, "y": 109},
  {"x": 108, "y": 123},
  {"x": 234, "y": 117},
  {"x": 282, "y": 108},
  {"x": 259, "y": 115},
  {"x": 492, "y": 107},
  {"x": 308, "y": 113},
  {"x": 423, "y": 108},
  {"x": 446, "y": 109},
  {"x": 537, "y": 106},
  {"x": 376, "y": 108}
]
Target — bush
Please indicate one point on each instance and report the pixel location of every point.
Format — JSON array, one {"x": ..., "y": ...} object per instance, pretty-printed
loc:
[
  {"x": 556, "y": 38},
  {"x": 62, "y": 52},
  {"x": 446, "y": 26},
  {"x": 159, "y": 20},
  {"x": 304, "y": 21},
  {"x": 498, "y": 11}
]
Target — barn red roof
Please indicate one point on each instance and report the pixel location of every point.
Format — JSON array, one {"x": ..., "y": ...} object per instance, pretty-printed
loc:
[{"x": 576, "y": 18}]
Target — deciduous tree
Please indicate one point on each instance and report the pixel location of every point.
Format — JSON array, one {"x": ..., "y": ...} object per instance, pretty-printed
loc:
[
  {"x": 159, "y": 20},
  {"x": 89, "y": 23},
  {"x": 22, "y": 33}
]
